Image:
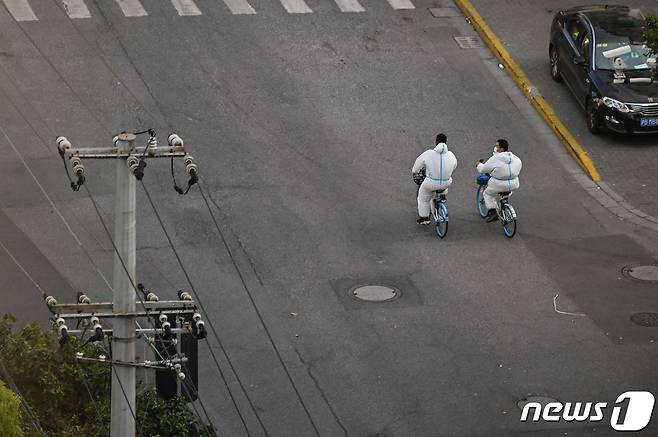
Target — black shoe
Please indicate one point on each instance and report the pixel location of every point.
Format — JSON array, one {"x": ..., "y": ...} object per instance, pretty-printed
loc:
[
  {"x": 423, "y": 221},
  {"x": 491, "y": 216}
]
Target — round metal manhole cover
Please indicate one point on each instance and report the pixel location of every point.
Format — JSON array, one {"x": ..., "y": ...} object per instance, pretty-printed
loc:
[
  {"x": 641, "y": 272},
  {"x": 375, "y": 293},
  {"x": 542, "y": 400},
  {"x": 647, "y": 320}
]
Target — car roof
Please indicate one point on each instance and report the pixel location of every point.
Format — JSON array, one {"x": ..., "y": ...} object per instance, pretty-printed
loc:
[{"x": 612, "y": 21}]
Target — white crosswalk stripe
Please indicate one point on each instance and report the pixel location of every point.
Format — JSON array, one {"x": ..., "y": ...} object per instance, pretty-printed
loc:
[
  {"x": 20, "y": 10},
  {"x": 186, "y": 7},
  {"x": 401, "y": 4},
  {"x": 349, "y": 6},
  {"x": 132, "y": 8},
  {"x": 296, "y": 6},
  {"x": 239, "y": 7},
  {"x": 76, "y": 9}
]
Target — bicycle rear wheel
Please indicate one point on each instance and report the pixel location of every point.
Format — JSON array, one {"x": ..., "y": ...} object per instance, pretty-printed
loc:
[
  {"x": 479, "y": 201},
  {"x": 508, "y": 219},
  {"x": 440, "y": 215}
]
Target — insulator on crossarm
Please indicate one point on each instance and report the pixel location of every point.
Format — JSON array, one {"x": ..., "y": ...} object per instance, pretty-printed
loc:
[
  {"x": 98, "y": 329},
  {"x": 175, "y": 141},
  {"x": 188, "y": 159},
  {"x": 200, "y": 326},
  {"x": 184, "y": 295},
  {"x": 83, "y": 298},
  {"x": 201, "y": 332},
  {"x": 62, "y": 145},
  {"x": 50, "y": 301},
  {"x": 62, "y": 330},
  {"x": 178, "y": 371},
  {"x": 79, "y": 170},
  {"x": 153, "y": 142},
  {"x": 132, "y": 161},
  {"x": 166, "y": 326},
  {"x": 152, "y": 297},
  {"x": 192, "y": 169}
]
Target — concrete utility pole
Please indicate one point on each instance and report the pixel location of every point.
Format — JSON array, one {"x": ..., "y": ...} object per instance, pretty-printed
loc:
[
  {"x": 124, "y": 309},
  {"x": 123, "y": 340}
]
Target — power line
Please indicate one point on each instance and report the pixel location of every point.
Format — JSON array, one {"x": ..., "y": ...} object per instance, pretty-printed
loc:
[
  {"x": 260, "y": 317},
  {"x": 185, "y": 385},
  {"x": 130, "y": 408},
  {"x": 93, "y": 399},
  {"x": 24, "y": 403},
  {"x": 134, "y": 286},
  {"x": 212, "y": 327}
]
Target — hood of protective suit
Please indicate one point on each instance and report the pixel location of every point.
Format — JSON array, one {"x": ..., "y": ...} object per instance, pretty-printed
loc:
[{"x": 441, "y": 148}]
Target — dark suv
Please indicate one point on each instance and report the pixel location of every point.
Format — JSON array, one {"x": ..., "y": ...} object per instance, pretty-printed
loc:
[{"x": 599, "y": 52}]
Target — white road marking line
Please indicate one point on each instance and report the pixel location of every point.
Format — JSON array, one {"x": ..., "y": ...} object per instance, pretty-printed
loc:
[
  {"x": 401, "y": 4},
  {"x": 296, "y": 6},
  {"x": 239, "y": 7},
  {"x": 76, "y": 9},
  {"x": 185, "y": 7},
  {"x": 132, "y": 8},
  {"x": 349, "y": 6},
  {"x": 20, "y": 10}
]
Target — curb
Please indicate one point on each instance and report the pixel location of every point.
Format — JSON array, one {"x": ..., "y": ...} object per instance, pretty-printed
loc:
[{"x": 538, "y": 102}]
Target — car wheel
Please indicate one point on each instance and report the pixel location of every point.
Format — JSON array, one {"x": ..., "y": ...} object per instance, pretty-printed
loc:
[
  {"x": 555, "y": 65},
  {"x": 593, "y": 118}
]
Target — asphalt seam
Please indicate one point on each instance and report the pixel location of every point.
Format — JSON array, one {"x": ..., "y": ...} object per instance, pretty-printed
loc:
[{"x": 591, "y": 181}]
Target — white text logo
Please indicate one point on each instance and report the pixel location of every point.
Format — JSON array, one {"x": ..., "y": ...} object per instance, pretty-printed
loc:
[{"x": 631, "y": 412}]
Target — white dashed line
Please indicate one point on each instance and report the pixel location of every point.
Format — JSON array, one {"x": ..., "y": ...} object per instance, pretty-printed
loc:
[
  {"x": 296, "y": 6},
  {"x": 349, "y": 6},
  {"x": 76, "y": 9},
  {"x": 20, "y": 10},
  {"x": 239, "y": 7},
  {"x": 401, "y": 4},
  {"x": 132, "y": 8},
  {"x": 186, "y": 7}
]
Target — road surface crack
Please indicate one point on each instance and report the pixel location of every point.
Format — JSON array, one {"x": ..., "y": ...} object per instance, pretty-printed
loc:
[{"x": 308, "y": 366}]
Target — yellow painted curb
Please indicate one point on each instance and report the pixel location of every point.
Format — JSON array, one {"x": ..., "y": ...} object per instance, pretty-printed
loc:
[{"x": 538, "y": 102}]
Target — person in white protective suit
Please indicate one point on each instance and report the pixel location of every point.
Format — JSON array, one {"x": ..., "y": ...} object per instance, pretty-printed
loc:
[
  {"x": 504, "y": 168},
  {"x": 438, "y": 163}
]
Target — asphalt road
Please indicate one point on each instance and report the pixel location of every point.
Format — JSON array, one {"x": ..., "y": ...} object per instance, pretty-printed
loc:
[
  {"x": 625, "y": 162},
  {"x": 305, "y": 127}
]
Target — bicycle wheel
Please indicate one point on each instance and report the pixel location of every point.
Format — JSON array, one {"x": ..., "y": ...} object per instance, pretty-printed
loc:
[
  {"x": 440, "y": 218},
  {"x": 479, "y": 201},
  {"x": 508, "y": 219}
]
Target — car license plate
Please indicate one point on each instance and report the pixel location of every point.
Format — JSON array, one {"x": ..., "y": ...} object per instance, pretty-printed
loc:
[{"x": 649, "y": 122}]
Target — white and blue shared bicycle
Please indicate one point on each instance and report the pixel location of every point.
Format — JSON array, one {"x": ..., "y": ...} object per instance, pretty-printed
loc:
[
  {"x": 505, "y": 210},
  {"x": 438, "y": 208}
]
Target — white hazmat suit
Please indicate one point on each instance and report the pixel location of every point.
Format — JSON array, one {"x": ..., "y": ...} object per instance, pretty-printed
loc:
[
  {"x": 504, "y": 168},
  {"x": 439, "y": 163}
]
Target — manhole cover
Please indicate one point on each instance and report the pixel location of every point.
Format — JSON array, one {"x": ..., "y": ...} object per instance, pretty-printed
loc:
[
  {"x": 468, "y": 42},
  {"x": 542, "y": 400},
  {"x": 641, "y": 272},
  {"x": 647, "y": 320},
  {"x": 374, "y": 293}
]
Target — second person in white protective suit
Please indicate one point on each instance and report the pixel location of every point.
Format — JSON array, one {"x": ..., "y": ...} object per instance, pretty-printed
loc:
[
  {"x": 504, "y": 168},
  {"x": 438, "y": 163}
]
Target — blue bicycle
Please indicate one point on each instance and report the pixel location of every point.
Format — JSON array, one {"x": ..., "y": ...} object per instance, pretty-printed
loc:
[
  {"x": 438, "y": 212},
  {"x": 506, "y": 213}
]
